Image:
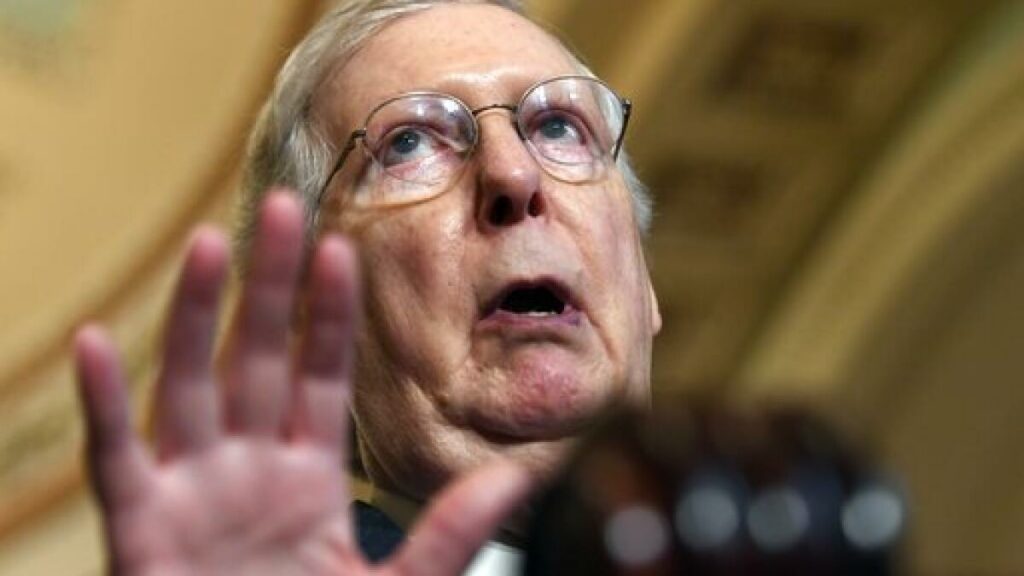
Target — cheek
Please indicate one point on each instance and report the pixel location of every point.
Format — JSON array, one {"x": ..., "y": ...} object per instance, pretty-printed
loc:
[
  {"x": 614, "y": 240},
  {"x": 616, "y": 255},
  {"x": 410, "y": 256},
  {"x": 411, "y": 269}
]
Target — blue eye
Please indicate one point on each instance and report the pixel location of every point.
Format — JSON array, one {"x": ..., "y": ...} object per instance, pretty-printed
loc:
[
  {"x": 554, "y": 128},
  {"x": 559, "y": 128},
  {"x": 562, "y": 137},
  {"x": 405, "y": 142},
  {"x": 408, "y": 144}
]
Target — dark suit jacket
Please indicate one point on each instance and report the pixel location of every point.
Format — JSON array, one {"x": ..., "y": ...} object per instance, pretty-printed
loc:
[{"x": 378, "y": 535}]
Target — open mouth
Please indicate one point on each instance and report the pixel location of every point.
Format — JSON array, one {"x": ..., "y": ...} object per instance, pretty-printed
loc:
[{"x": 532, "y": 300}]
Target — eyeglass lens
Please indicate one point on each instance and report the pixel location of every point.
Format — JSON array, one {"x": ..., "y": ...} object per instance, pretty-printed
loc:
[{"x": 419, "y": 142}]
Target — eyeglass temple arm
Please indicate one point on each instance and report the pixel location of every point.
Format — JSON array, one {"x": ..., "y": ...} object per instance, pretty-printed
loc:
[
  {"x": 349, "y": 146},
  {"x": 627, "y": 107}
]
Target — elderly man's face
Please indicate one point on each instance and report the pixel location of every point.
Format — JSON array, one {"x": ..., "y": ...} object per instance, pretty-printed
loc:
[{"x": 448, "y": 374}]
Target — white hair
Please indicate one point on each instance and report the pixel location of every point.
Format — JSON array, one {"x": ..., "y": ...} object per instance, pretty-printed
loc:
[{"x": 289, "y": 147}]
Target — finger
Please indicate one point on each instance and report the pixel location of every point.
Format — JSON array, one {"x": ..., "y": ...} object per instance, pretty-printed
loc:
[
  {"x": 118, "y": 463},
  {"x": 326, "y": 357},
  {"x": 258, "y": 369},
  {"x": 187, "y": 411},
  {"x": 461, "y": 520}
]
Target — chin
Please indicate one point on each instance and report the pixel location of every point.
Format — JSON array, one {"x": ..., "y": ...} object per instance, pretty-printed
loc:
[{"x": 540, "y": 396}]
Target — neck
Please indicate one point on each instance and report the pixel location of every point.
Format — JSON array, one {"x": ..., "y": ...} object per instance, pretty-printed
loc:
[{"x": 404, "y": 511}]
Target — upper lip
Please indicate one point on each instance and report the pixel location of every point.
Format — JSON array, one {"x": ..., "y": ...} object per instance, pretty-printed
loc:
[{"x": 557, "y": 287}]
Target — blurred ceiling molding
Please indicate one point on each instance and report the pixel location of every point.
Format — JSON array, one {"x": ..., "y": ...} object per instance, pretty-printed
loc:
[{"x": 963, "y": 142}]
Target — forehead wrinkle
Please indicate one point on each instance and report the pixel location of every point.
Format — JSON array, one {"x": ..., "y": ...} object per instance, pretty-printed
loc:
[{"x": 468, "y": 60}]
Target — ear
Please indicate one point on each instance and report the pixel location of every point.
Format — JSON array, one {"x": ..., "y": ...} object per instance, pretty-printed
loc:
[{"x": 655, "y": 311}]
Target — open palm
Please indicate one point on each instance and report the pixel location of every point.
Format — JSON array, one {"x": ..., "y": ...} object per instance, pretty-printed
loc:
[{"x": 247, "y": 475}]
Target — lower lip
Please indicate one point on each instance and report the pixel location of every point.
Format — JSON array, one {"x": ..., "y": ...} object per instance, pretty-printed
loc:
[{"x": 570, "y": 318}]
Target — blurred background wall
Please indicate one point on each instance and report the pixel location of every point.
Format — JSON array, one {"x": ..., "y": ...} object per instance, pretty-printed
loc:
[{"x": 839, "y": 219}]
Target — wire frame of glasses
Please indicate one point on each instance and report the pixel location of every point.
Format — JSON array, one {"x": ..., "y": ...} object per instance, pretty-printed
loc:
[{"x": 418, "y": 143}]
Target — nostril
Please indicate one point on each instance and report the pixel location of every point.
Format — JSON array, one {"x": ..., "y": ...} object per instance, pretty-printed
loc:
[
  {"x": 501, "y": 210},
  {"x": 536, "y": 206}
]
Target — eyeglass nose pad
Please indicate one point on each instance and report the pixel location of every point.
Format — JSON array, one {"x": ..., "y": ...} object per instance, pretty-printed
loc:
[{"x": 519, "y": 129}]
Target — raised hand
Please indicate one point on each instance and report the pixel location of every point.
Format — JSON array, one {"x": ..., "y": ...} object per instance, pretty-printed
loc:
[{"x": 247, "y": 475}]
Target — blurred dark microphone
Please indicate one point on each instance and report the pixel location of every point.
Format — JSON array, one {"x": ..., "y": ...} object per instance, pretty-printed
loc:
[{"x": 697, "y": 488}]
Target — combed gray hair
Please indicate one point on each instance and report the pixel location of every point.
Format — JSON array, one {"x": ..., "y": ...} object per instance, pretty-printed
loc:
[{"x": 289, "y": 147}]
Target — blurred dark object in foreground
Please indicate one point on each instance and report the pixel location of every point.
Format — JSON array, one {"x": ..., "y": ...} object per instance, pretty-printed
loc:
[{"x": 699, "y": 489}]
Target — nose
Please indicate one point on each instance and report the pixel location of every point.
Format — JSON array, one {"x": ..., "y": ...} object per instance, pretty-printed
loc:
[{"x": 509, "y": 179}]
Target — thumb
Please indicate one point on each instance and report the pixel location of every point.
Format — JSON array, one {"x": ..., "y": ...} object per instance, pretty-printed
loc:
[{"x": 461, "y": 519}]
